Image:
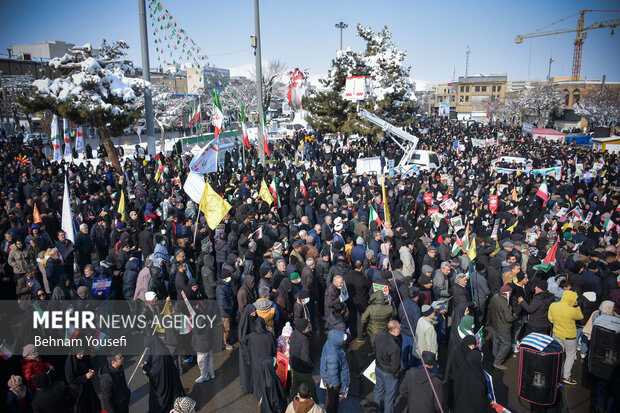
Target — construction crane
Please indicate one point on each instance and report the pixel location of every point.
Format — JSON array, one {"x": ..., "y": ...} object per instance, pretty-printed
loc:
[{"x": 581, "y": 34}]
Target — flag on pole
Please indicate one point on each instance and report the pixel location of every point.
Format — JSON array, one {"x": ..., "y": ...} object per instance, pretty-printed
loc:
[
  {"x": 98, "y": 338},
  {"x": 549, "y": 260},
  {"x": 36, "y": 216},
  {"x": 608, "y": 224},
  {"x": 259, "y": 232},
  {"x": 67, "y": 137},
  {"x": 472, "y": 250},
  {"x": 6, "y": 352},
  {"x": 245, "y": 139},
  {"x": 264, "y": 193},
  {"x": 266, "y": 144},
  {"x": 79, "y": 140},
  {"x": 465, "y": 246},
  {"x": 273, "y": 188},
  {"x": 56, "y": 139},
  {"x": 302, "y": 188},
  {"x": 217, "y": 117},
  {"x": 543, "y": 192},
  {"x": 205, "y": 161},
  {"x": 456, "y": 247},
  {"x": 71, "y": 332},
  {"x": 121, "y": 206},
  {"x": 67, "y": 216},
  {"x": 386, "y": 209},
  {"x": 373, "y": 216},
  {"x": 195, "y": 120},
  {"x": 213, "y": 206}
]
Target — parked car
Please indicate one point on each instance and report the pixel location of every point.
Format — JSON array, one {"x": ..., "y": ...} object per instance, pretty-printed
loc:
[{"x": 31, "y": 137}]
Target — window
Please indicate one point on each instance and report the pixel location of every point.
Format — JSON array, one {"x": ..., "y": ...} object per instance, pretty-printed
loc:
[
  {"x": 434, "y": 159},
  {"x": 461, "y": 98},
  {"x": 484, "y": 88},
  {"x": 493, "y": 89},
  {"x": 453, "y": 98},
  {"x": 462, "y": 89},
  {"x": 576, "y": 96},
  {"x": 499, "y": 88},
  {"x": 467, "y": 98},
  {"x": 477, "y": 89},
  {"x": 467, "y": 89},
  {"x": 566, "y": 97}
]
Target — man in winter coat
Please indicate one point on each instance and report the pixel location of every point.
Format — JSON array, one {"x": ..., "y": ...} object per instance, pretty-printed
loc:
[
  {"x": 51, "y": 398},
  {"x": 20, "y": 256},
  {"x": 267, "y": 309},
  {"x": 415, "y": 387},
  {"x": 54, "y": 269},
  {"x": 301, "y": 359},
  {"x": 83, "y": 246},
  {"x": 537, "y": 310},
  {"x": 115, "y": 393},
  {"x": 377, "y": 315},
  {"x": 425, "y": 334},
  {"x": 228, "y": 304},
  {"x": 441, "y": 281},
  {"x": 332, "y": 294},
  {"x": 563, "y": 315},
  {"x": 334, "y": 370},
  {"x": 207, "y": 275},
  {"x": 387, "y": 369},
  {"x": 409, "y": 312},
  {"x": 130, "y": 278},
  {"x": 501, "y": 318},
  {"x": 358, "y": 287},
  {"x": 407, "y": 258}
]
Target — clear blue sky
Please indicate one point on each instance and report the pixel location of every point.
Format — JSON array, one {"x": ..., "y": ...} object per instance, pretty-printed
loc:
[{"x": 302, "y": 34}]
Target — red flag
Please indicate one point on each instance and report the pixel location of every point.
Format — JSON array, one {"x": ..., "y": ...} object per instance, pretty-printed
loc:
[
  {"x": 493, "y": 203},
  {"x": 266, "y": 145},
  {"x": 302, "y": 188}
]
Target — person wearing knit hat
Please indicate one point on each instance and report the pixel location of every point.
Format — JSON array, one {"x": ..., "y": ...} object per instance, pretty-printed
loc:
[
  {"x": 266, "y": 309},
  {"x": 15, "y": 397},
  {"x": 83, "y": 292},
  {"x": 184, "y": 405},
  {"x": 283, "y": 343},
  {"x": 32, "y": 364},
  {"x": 427, "y": 270},
  {"x": 425, "y": 334},
  {"x": 295, "y": 276},
  {"x": 501, "y": 319},
  {"x": 150, "y": 296}
]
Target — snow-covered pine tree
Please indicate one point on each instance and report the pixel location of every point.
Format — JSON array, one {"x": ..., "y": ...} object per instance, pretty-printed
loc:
[
  {"x": 393, "y": 96},
  {"x": 92, "y": 89}
]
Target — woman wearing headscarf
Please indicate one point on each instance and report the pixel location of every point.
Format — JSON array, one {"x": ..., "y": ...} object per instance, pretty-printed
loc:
[
  {"x": 17, "y": 398},
  {"x": 283, "y": 301},
  {"x": 246, "y": 323},
  {"x": 272, "y": 398},
  {"x": 470, "y": 386},
  {"x": 79, "y": 373},
  {"x": 165, "y": 385},
  {"x": 63, "y": 290},
  {"x": 261, "y": 343},
  {"x": 455, "y": 362}
]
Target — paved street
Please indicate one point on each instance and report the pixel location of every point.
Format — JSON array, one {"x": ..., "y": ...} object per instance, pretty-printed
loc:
[{"x": 223, "y": 394}]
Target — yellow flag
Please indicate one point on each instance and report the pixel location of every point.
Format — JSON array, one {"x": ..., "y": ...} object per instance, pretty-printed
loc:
[
  {"x": 121, "y": 206},
  {"x": 165, "y": 311},
  {"x": 264, "y": 193},
  {"x": 512, "y": 227},
  {"x": 213, "y": 206},
  {"x": 567, "y": 225},
  {"x": 472, "y": 250},
  {"x": 496, "y": 250},
  {"x": 386, "y": 209},
  {"x": 515, "y": 197}
]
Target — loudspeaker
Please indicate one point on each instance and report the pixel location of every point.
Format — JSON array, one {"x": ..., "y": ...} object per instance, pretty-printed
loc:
[
  {"x": 603, "y": 358},
  {"x": 539, "y": 375}
]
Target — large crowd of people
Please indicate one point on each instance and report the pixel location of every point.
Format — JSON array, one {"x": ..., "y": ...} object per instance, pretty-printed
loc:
[{"x": 413, "y": 269}]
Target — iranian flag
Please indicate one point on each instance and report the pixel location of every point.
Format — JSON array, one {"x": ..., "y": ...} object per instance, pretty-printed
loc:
[
  {"x": 543, "y": 192},
  {"x": 373, "y": 216},
  {"x": 217, "y": 117},
  {"x": 273, "y": 188},
  {"x": 195, "y": 117},
  {"x": 549, "y": 260},
  {"x": 578, "y": 214},
  {"x": 302, "y": 188},
  {"x": 608, "y": 224}
]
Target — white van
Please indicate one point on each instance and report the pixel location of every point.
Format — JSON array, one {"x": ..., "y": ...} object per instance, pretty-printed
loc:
[{"x": 424, "y": 160}]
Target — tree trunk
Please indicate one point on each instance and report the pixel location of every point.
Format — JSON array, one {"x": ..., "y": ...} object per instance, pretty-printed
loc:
[
  {"x": 162, "y": 140},
  {"x": 110, "y": 149}
]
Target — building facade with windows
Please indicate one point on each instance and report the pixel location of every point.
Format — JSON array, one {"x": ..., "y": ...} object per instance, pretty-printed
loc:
[
  {"x": 475, "y": 93},
  {"x": 445, "y": 92}
]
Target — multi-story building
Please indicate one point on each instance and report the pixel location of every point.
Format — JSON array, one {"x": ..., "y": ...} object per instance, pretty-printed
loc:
[
  {"x": 445, "y": 92},
  {"x": 205, "y": 78},
  {"x": 172, "y": 78},
  {"x": 475, "y": 93}
]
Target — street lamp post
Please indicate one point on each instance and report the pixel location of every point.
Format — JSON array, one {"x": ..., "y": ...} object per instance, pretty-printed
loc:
[
  {"x": 341, "y": 26},
  {"x": 146, "y": 75},
  {"x": 256, "y": 40}
]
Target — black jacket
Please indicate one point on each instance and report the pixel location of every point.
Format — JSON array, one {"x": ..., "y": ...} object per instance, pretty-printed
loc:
[
  {"x": 301, "y": 357},
  {"x": 359, "y": 287},
  {"x": 115, "y": 394},
  {"x": 388, "y": 353},
  {"x": 538, "y": 309},
  {"x": 55, "y": 398},
  {"x": 419, "y": 394}
]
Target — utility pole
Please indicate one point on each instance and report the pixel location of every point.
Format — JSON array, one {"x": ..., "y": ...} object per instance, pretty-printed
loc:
[
  {"x": 341, "y": 26},
  {"x": 146, "y": 75},
  {"x": 549, "y": 73},
  {"x": 467, "y": 61},
  {"x": 259, "y": 84}
]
